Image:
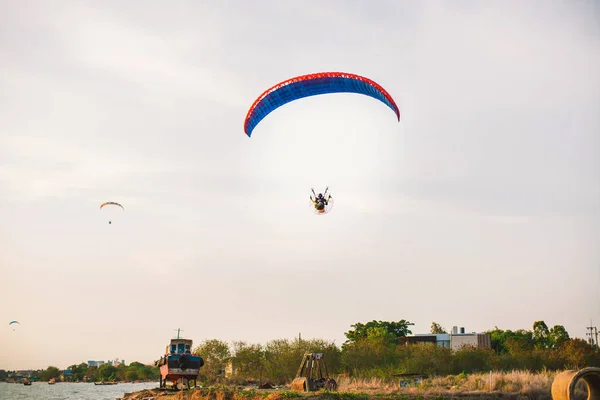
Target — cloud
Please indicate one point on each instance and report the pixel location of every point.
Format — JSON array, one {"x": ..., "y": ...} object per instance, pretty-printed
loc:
[
  {"x": 40, "y": 167},
  {"x": 493, "y": 167}
]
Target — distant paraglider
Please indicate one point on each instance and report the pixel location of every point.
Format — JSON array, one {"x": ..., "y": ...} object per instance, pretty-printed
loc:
[
  {"x": 13, "y": 322},
  {"x": 312, "y": 85},
  {"x": 111, "y": 203}
]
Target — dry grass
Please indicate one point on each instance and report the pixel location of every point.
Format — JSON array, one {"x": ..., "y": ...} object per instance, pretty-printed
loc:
[
  {"x": 536, "y": 386},
  {"x": 515, "y": 385},
  {"x": 532, "y": 385},
  {"x": 508, "y": 385}
]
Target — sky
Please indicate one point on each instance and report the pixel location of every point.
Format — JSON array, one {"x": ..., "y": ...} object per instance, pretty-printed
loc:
[{"x": 480, "y": 208}]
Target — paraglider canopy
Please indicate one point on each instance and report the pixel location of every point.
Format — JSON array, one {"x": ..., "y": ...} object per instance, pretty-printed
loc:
[
  {"x": 312, "y": 85},
  {"x": 111, "y": 203},
  {"x": 13, "y": 322}
]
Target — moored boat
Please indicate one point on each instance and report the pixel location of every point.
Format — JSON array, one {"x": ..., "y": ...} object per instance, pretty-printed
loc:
[{"x": 179, "y": 368}]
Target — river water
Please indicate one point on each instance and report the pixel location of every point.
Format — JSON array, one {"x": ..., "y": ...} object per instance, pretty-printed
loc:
[{"x": 69, "y": 391}]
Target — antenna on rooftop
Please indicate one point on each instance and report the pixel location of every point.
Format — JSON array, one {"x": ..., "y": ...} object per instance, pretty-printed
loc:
[{"x": 178, "y": 331}]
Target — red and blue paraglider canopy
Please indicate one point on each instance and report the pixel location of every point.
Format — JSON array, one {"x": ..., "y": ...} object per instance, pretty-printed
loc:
[{"x": 312, "y": 85}]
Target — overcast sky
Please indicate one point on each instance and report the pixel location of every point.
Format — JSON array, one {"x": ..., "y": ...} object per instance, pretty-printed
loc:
[{"x": 480, "y": 208}]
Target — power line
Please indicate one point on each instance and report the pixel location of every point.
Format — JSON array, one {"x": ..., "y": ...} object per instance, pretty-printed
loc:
[{"x": 592, "y": 334}]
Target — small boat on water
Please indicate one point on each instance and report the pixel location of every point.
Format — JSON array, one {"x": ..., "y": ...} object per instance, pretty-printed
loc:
[
  {"x": 178, "y": 366},
  {"x": 52, "y": 381},
  {"x": 104, "y": 383},
  {"x": 27, "y": 383}
]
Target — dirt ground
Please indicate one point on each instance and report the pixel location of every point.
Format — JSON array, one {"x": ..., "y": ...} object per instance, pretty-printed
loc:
[
  {"x": 261, "y": 394},
  {"x": 204, "y": 394}
]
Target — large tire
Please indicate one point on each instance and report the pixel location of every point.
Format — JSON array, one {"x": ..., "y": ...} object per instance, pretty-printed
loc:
[{"x": 299, "y": 385}]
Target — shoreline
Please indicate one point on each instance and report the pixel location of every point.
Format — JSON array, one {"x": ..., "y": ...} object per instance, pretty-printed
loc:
[{"x": 285, "y": 394}]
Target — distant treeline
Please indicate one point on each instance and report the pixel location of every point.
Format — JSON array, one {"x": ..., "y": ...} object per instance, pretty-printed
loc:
[
  {"x": 82, "y": 373},
  {"x": 373, "y": 350}
]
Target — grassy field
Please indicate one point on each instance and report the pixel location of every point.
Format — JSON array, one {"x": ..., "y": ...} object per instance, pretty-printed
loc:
[
  {"x": 506, "y": 382},
  {"x": 505, "y": 385}
]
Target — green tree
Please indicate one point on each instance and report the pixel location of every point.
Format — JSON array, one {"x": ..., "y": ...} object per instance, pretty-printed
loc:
[
  {"x": 471, "y": 359},
  {"x": 520, "y": 340},
  {"x": 498, "y": 339},
  {"x": 91, "y": 374},
  {"x": 437, "y": 328},
  {"x": 282, "y": 357},
  {"x": 557, "y": 336},
  {"x": 148, "y": 372},
  {"x": 248, "y": 360},
  {"x": 132, "y": 375},
  {"x": 381, "y": 333},
  {"x": 49, "y": 373},
  {"x": 361, "y": 331},
  {"x": 136, "y": 364},
  {"x": 425, "y": 358},
  {"x": 216, "y": 354},
  {"x": 374, "y": 356},
  {"x": 541, "y": 335},
  {"x": 107, "y": 372},
  {"x": 73, "y": 369},
  {"x": 575, "y": 352},
  {"x": 79, "y": 371},
  {"x": 281, "y": 360}
]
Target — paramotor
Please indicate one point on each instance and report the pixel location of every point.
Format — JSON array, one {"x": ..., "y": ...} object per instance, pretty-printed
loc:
[{"x": 321, "y": 203}]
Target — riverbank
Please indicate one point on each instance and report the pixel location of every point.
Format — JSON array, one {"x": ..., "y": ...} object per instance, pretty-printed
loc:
[
  {"x": 259, "y": 394},
  {"x": 483, "y": 386}
]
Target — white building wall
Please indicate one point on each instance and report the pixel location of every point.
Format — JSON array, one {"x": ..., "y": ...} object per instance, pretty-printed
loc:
[{"x": 478, "y": 340}]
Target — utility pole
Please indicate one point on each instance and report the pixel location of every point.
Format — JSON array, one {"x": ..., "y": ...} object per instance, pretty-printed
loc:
[{"x": 592, "y": 334}]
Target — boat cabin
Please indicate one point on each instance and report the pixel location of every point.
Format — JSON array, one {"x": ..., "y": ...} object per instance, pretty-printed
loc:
[{"x": 179, "y": 346}]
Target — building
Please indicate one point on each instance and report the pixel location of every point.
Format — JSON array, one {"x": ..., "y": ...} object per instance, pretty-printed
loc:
[
  {"x": 116, "y": 362},
  {"x": 413, "y": 339},
  {"x": 455, "y": 340},
  {"x": 95, "y": 363},
  {"x": 441, "y": 339},
  {"x": 460, "y": 339}
]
